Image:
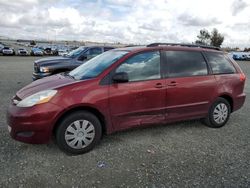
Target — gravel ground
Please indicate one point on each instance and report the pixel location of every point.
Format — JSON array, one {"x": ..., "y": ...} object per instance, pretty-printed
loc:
[{"x": 186, "y": 154}]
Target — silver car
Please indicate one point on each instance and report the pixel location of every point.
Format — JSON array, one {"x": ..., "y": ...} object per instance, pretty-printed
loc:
[
  {"x": 8, "y": 51},
  {"x": 22, "y": 51}
]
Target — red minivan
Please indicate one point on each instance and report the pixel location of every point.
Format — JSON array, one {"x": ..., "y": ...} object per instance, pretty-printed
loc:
[{"x": 125, "y": 88}]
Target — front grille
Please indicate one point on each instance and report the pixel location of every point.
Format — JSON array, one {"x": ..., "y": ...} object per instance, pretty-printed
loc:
[{"x": 7, "y": 51}]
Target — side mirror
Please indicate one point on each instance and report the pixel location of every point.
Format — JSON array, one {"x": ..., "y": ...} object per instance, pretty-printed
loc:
[{"x": 120, "y": 77}]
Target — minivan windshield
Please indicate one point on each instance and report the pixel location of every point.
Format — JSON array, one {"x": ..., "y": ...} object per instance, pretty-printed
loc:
[
  {"x": 75, "y": 52},
  {"x": 96, "y": 65}
]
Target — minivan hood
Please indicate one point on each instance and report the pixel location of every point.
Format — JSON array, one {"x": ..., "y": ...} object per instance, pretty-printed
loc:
[{"x": 51, "y": 82}]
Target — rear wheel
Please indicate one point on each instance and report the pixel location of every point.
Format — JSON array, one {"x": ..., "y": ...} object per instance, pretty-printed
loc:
[
  {"x": 78, "y": 133},
  {"x": 219, "y": 114}
]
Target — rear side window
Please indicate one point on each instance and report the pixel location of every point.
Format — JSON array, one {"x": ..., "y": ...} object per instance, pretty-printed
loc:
[
  {"x": 185, "y": 64},
  {"x": 219, "y": 63}
]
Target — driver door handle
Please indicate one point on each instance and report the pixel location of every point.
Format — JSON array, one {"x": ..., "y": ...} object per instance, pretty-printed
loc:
[{"x": 158, "y": 85}]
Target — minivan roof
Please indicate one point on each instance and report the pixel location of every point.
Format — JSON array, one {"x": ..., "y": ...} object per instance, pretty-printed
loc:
[
  {"x": 184, "y": 45},
  {"x": 170, "y": 47}
]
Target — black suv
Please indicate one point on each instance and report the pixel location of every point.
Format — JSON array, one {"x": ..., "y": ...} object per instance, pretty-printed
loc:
[{"x": 53, "y": 65}]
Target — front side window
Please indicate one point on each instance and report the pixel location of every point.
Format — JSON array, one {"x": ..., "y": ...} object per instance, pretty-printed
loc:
[
  {"x": 219, "y": 64},
  {"x": 185, "y": 64},
  {"x": 143, "y": 66}
]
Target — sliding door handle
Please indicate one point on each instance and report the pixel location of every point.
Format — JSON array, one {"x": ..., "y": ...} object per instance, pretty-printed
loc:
[{"x": 173, "y": 83}]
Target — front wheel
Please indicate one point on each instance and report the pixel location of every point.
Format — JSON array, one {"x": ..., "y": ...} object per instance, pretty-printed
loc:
[
  {"x": 219, "y": 113},
  {"x": 79, "y": 132}
]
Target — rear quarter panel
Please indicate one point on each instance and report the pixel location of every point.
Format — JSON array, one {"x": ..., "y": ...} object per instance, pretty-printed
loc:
[{"x": 231, "y": 85}]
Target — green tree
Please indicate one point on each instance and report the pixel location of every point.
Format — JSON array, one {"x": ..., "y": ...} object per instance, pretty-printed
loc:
[
  {"x": 32, "y": 43},
  {"x": 206, "y": 38},
  {"x": 203, "y": 37},
  {"x": 246, "y": 49},
  {"x": 216, "y": 38}
]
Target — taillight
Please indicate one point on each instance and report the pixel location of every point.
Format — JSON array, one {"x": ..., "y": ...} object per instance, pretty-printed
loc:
[{"x": 242, "y": 77}]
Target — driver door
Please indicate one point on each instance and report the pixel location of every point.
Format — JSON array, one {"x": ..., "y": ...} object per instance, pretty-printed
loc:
[{"x": 141, "y": 100}]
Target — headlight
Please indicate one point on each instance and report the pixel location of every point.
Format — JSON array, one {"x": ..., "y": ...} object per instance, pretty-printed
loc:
[
  {"x": 37, "y": 98},
  {"x": 44, "y": 69}
]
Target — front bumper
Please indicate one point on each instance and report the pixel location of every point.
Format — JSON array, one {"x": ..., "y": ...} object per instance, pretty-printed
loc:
[
  {"x": 38, "y": 53},
  {"x": 32, "y": 124},
  {"x": 36, "y": 76}
]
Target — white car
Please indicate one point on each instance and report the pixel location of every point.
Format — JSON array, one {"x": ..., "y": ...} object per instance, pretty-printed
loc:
[
  {"x": 62, "y": 52},
  {"x": 22, "y": 51},
  {"x": 8, "y": 51}
]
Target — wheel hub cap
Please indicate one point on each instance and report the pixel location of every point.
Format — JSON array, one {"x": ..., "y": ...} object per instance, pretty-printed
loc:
[
  {"x": 79, "y": 134},
  {"x": 220, "y": 113}
]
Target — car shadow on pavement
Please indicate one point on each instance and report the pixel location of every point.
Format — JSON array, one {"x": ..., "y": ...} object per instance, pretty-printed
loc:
[
  {"x": 159, "y": 130},
  {"x": 122, "y": 137}
]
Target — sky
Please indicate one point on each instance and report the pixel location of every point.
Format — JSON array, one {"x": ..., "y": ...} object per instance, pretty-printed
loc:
[{"x": 125, "y": 21}]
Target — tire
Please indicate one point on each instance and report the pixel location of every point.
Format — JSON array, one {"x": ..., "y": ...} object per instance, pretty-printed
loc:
[
  {"x": 83, "y": 131},
  {"x": 219, "y": 114}
]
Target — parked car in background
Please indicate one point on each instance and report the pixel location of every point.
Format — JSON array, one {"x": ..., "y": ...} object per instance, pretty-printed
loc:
[
  {"x": 125, "y": 88},
  {"x": 50, "y": 51},
  {"x": 49, "y": 66},
  {"x": 47, "y": 51},
  {"x": 54, "y": 50},
  {"x": 244, "y": 56},
  {"x": 62, "y": 52},
  {"x": 248, "y": 56},
  {"x": 8, "y": 51},
  {"x": 22, "y": 51},
  {"x": 36, "y": 52},
  {"x": 239, "y": 56}
]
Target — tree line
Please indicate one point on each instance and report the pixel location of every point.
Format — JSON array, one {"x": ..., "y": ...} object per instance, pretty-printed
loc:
[{"x": 213, "y": 38}]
